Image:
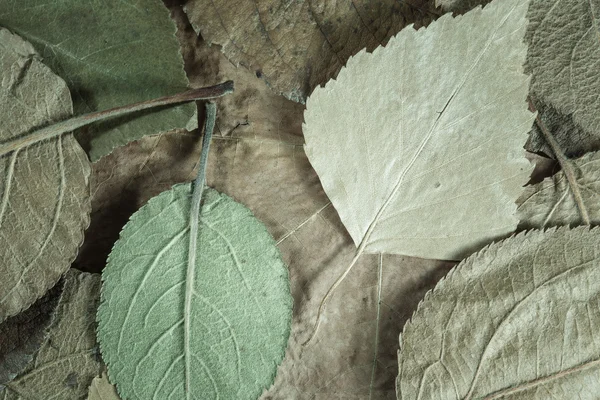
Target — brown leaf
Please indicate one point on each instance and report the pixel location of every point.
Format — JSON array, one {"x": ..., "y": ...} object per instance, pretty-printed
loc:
[
  {"x": 68, "y": 359},
  {"x": 296, "y": 46}
]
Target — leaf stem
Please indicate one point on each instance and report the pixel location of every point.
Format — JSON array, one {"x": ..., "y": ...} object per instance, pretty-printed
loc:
[
  {"x": 197, "y": 191},
  {"x": 71, "y": 124},
  {"x": 565, "y": 164}
]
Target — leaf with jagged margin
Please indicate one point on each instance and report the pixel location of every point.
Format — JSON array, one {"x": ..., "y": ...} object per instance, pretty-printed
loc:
[
  {"x": 241, "y": 302},
  {"x": 44, "y": 188},
  {"x": 102, "y": 389},
  {"x": 68, "y": 360},
  {"x": 111, "y": 53},
  {"x": 518, "y": 320},
  {"x": 564, "y": 53},
  {"x": 552, "y": 201},
  {"x": 422, "y": 166},
  {"x": 296, "y": 46},
  {"x": 22, "y": 335}
]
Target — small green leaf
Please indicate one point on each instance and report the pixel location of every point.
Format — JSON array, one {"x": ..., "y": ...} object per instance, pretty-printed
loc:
[
  {"x": 518, "y": 320},
  {"x": 111, "y": 53},
  {"x": 240, "y": 312}
]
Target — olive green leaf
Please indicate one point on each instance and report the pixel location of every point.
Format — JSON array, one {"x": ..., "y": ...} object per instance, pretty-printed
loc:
[
  {"x": 68, "y": 359},
  {"x": 111, "y": 53},
  {"x": 22, "y": 335},
  {"x": 419, "y": 145},
  {"x": 518, "y": 320},
  {"x": 44, "y": 188},
  {"x": 102, "y": 389},
  {"x": 553, "y": 201},
  {"x": 239, "y": 309},
  {"x": 564, "y": 52}
]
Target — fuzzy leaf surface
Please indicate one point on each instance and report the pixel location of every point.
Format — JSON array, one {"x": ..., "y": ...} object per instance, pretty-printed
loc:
[
  {"x": 241, "y": 304},
  {"x": 419, "y": 145},
  {"x": 68, "y": 359},
  {"x": 564, "y": 54},
  {"x": 116, "y": 53},
  {"x": 552, "y": 201},
  {"x": 44, "y": 188},
  {"x": 518, "y": 320}
]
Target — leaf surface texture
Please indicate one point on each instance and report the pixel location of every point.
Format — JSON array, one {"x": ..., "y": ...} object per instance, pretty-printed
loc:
[
  {"x": 518, "y": 320},
  {"x": 419, "y": 144},
  {"x": 102, "y": 389},
  {"x": 68, "y": 359},
  {"x": 44, "y": 188},
  {"x": 116, "y": 53},
  {"x": 241, "y": 303}
]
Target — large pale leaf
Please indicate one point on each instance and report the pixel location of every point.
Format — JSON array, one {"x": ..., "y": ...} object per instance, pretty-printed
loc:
[
  {"x": 564, "y": 53},
  {"x": 519, "y": 320},
  {"x": 240, "y": 305},
  {"x": 111, "y": 53},
  {"x": 419, "y": 145},
  {"x": 296, "y": 46},
  {"x": 44, "y": 192},
  {"x": 22, "y": 335},
  {"x": 68, "y": 359},
  {"x": 553, "y": 202}
]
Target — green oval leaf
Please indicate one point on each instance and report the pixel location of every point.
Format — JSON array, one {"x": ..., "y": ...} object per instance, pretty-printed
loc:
[
  {"x": 518, "y": 320},
  {"x": 241, "y": 302}
]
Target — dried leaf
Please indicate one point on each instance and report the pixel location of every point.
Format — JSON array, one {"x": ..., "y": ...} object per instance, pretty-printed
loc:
[
  {"x": 295, "y": 46},
  {"x": 552, "y": 202},
  {"x": 22, "y": 335},
  {"x": 534, "y": 298},
  {"x": 240, "y": 308},
  {"x": 564, "y": 52},
  {"x": 68, "y": 360},
  {"x": 421, "y": 166},
  {"x": 102, "y": 389},
  {"x": 117, "y": 53},
  {"x": 44, "y": 192}
]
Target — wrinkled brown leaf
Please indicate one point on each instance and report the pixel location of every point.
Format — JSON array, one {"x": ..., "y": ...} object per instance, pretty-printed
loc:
[
  {"x": 68, "y": 359},
  {"x": 44, "y": 192},
  {"x": 22, "y": 335},
  {"x": 296, "y": 46}
]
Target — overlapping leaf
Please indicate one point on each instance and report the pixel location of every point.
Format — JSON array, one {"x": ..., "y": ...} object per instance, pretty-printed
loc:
[
  {"x": 519, "y": 320},
  {"x": 419, "y": 144},
  {"x": 44, "y": 192},
  {"x": 111, "y": 53},
  {"x": 296, "y": 46},
  {"x": 240, "y": 312},
  {"x": 68, "y": 359},
  {"x": 102, "y": 389}
]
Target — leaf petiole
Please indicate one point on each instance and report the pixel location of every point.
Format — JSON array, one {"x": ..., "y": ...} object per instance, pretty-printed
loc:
[{"x": 71, "y": 124}]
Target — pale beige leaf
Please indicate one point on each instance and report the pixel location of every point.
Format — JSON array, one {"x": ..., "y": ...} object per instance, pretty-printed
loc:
[
  {"x": 44, "y": 192},
  {"x": 68, "y": 359},
  {"x": 419, "y": 145},
  {"x": 263, "y": 165},
  {"x": 296, "y": 46},
  {"x": 552, "y": 201},
  {"x": 102, "y": 389},
  {"x": 518, "y": 320}
]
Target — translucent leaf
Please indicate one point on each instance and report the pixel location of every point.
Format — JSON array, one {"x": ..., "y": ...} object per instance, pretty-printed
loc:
[
  {"x": 552, "y": 202},
  {"x": 240, "y": 305},
  {"x": 68, "y": 359},
  {"x": 44, "y": 188},
  {"x": 117, "y": 52},
  {"x": 419, "y": 145},
  {"x": 518, "y": 320}
]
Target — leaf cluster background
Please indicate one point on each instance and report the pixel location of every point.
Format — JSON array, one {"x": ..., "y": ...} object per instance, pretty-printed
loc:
[{"x": 277, "y": 54}]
